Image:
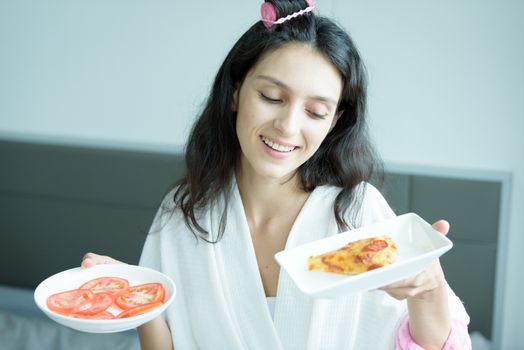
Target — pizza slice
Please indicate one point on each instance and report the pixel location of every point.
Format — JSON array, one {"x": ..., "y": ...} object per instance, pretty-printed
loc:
[{"x": 357, "y": 257}]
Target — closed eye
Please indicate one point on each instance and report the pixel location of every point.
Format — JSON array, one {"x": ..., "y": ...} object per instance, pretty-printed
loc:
[
  {"x": 269, "y": 99},
  {"x": 318, "y": 116}
]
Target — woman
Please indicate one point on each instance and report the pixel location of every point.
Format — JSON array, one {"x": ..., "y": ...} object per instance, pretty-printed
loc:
[{"x": 280, "y": 157}]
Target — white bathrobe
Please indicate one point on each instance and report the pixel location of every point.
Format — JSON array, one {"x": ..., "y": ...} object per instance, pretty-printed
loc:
[{"x": 220, "y": 301}]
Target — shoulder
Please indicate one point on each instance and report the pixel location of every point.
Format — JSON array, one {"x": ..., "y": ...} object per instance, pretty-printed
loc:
[
  {"x": 374, "y": 207},
  {"x": 369, "y": 195},
  {"x": 327, "y": 191},
  {"x": 166, "y": 210},
  {"x": 368, "y": 205}
]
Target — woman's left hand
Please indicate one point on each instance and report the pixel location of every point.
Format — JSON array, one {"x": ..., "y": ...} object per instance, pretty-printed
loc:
[
  {"x": 429, "y": 280},
  {"x": 427, "y": 302}
]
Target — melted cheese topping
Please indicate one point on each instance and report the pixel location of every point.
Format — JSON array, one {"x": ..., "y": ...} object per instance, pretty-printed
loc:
[{"x": 357, "y": 257}]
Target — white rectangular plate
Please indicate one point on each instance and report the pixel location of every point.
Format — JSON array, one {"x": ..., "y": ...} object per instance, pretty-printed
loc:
[{"x": 417, "y": 242}]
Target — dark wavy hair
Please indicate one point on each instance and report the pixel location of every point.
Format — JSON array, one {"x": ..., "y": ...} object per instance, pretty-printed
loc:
[{"x": 344, "y": 159}]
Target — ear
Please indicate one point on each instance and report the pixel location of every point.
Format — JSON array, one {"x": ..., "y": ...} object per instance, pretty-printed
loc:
[
  {"x": 335, "y": 119},
  {"x": 234, "y": 102}
]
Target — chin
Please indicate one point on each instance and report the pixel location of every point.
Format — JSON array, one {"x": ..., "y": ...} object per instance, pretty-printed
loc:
[
  {"x": 271, "y": 171},
  {"x": 280, "y": 174}
]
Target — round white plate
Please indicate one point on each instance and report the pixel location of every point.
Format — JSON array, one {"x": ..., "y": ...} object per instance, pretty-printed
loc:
[{"x": 74, "y": 278}]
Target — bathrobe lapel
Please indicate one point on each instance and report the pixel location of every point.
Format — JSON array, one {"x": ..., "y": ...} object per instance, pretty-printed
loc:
[
  {"x": 293, "y": 310},
  {"x": 241, "y": 280}
]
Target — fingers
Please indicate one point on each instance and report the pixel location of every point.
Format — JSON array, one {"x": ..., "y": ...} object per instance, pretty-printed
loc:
[
  {"x": 442, "y": 226},
  {"x": 426, "y": 281},
  {"x": 92, "y": 259},
  {"x": 405, "y": 293},
  {"x": 410, "y": 288},
  {"x": 407, "y": 288}
]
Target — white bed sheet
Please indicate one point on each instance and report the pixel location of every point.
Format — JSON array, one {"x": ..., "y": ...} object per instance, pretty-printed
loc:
[{"x": 24, "y": 327}]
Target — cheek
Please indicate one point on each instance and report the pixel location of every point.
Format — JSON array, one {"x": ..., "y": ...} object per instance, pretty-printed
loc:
[
  {"x": 244, "y": 122},
  {"x": 246, "y": 126},
  {"x": 241, "y": 130},
  {"x": 251, "y": 116},
  {"x": 316, "y": 134}
]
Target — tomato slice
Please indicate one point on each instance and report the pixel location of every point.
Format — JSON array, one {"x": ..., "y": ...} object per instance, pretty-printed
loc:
[
  {"x": 112, "y": 285},
  {"x": 375, "y": 246},
  {"x": 104, "y": 315},
  {"x": 100, "y": 302},
  {"x": 140, "y": 295},
  {"x": 69, "y": 301},
  {"x": 137, "y": 310}
]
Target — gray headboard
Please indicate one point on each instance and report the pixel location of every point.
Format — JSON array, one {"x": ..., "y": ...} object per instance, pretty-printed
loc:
[{"x": 58, "y": 202}]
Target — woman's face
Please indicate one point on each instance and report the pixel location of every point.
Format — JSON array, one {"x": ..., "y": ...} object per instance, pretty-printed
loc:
[{"x": 285, "y": 107}]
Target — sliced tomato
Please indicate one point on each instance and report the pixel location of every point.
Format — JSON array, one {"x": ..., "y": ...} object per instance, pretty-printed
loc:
[
  {"x": 112, "y": 285},
  {"x": 104, "y": 315},
  {"x": 100, "y": 302},
  {"x": 137, "y": 310},
  {"x": 140, "y": 295},
  {"x": 375, "y": 246},
  {"x": 70, "y": 301}
]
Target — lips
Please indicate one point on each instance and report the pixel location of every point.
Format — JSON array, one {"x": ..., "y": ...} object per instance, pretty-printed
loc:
[{"x": 277, "y": 145}]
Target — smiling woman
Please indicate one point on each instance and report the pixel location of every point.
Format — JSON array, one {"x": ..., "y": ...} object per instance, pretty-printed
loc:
[{"x": 280, "y": 157}]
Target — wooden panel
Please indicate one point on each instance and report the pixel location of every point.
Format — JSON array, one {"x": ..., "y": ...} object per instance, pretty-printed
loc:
[
  {"x": 42, "y": 235},
  {"x": 470, "y": 271},
  {"x": 58, "y": 202},
  {"x": 106, "y": 176},
  {"x": 397, "y": 191},
  {"x": 472, "y": 207}
]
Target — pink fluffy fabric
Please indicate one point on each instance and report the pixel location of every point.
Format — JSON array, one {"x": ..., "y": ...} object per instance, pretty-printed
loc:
[{"x": 458, "y": 338}]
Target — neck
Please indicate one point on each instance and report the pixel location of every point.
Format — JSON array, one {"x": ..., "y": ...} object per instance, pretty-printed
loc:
[{"x": 267, "y": 199}]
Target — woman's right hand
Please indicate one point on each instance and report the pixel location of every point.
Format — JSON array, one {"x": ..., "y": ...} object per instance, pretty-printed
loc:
[
  {"x": 92, "y": 259},
  {"x": 154, "y": 334}
]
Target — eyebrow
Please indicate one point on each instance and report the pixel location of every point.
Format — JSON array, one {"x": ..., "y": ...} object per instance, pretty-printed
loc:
[{"x": 286, "y": 87}]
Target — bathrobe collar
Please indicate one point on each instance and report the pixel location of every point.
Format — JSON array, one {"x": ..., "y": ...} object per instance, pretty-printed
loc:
[{"x": 293, "y": 310}]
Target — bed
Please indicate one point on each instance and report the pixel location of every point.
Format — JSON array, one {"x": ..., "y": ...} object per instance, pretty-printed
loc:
[
  {"x": 57, "y": 202},
  {"x": 23, "y": 326}
]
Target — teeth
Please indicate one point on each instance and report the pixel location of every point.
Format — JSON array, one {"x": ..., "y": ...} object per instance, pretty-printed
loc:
[{"x": 276, "y": 146}]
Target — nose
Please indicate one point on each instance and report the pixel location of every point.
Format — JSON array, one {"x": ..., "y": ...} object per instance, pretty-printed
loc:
[{"x": 288, "y": 121}]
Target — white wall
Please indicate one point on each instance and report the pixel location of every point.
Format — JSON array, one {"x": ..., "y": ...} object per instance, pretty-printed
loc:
[
  {"x": 446, "y": 90},
  {"x": 120, "y": 73},
  {"x": 445, "y": 82}
]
